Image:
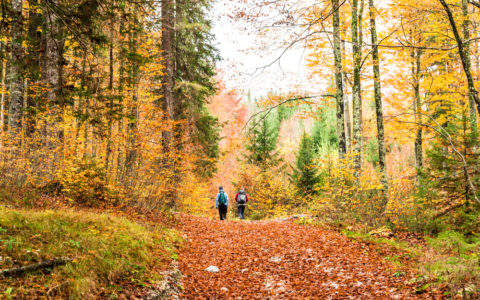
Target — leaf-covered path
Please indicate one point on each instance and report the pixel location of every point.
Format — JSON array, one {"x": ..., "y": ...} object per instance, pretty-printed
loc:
[{"x": 282, "y": 260}]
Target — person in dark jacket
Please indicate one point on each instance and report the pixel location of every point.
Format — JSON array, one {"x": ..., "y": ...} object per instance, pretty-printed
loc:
[
  {"x": 241, "y": 198},
  {"x": 221, "y": 202}
]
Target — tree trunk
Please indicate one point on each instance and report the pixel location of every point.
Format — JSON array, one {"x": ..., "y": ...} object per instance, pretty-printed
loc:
[
  {"x": 52, "y": 79},
  {"x": 111, "y": 107},
  {"x": 338, "y": 80},
  {"x": 16, "y": 76},
  {"x": 78, "y": 122},
  {"x": 347, "y": 102},
  {"x": 463, "y": 56},
  {"x": 132, "y": 126},
  {"x": 35, "y": 46},
  {"x": 168, "y": 83},
  {"x": 471, "y": 101},
  {"x": 378, "y": 102},
  {"x": 357, "y": 105},
  {"x": 120, "y": 172},
  {"x": 360, "y": 51},
  {"x": 417, "y": 109},
  {"x": 2, "y": 103}
]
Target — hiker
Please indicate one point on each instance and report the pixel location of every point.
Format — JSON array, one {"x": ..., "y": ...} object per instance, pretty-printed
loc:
[
  {"x": 222, "y": 203},
  {"x": 242, "y": 199}
]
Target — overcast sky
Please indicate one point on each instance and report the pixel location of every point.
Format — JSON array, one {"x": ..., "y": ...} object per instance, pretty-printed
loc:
[{"x": 239, "y": 67}]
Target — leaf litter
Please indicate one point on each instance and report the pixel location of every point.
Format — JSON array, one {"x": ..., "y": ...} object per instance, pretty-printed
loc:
[{"x": 283, "y": 260}]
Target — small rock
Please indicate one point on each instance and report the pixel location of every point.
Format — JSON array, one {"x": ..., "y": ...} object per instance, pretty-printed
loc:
[
  {"x": 212, "y": 243},
  {"x": 212, "y": 269},
  {"x": 276, "y": 259},
  {"x": 244, "y": 270},
  {"x": 224, "y": 289}
]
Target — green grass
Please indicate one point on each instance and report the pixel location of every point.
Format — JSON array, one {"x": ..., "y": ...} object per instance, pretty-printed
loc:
[
  {"x": 450, "y": 259},
  {"x": 108, "y": 253}
]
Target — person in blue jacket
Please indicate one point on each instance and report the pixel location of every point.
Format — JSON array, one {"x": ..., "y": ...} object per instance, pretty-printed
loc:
[{"x": 221, "y": 202}]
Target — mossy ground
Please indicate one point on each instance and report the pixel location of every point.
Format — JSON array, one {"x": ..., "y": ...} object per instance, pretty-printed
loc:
[{"x": 112, "y": 255}]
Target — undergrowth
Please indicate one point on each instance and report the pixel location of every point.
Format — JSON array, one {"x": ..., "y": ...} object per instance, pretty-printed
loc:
[{"x": 108, "y": 253}]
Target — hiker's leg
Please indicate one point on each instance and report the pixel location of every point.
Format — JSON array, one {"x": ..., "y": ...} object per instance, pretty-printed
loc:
[
  {"x": 223, "y": 212},
  {"x": 243, "y": 212},
  {"x": 239, "y": 210}
]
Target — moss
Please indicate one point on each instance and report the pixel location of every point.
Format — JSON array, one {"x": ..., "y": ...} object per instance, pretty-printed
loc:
[{"x": 106, "y": 251}]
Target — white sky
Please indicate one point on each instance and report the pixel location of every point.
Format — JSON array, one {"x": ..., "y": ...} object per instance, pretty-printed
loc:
[{"x": 238, "y": 69}]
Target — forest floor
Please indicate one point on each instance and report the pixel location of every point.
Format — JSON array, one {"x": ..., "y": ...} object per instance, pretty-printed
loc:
[{"x": 284, "y": 260}]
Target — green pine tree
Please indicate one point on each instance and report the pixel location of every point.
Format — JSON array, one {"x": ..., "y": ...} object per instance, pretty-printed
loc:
[
  {"x": 262, "y": 141},
  {"x": 324, "y": 133},
  {"x": 305, "y": 174},
  {"x": 195, "y": 58}
]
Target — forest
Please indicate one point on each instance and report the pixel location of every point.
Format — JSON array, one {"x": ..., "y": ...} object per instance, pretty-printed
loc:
[{"x": 352, "y": 125}]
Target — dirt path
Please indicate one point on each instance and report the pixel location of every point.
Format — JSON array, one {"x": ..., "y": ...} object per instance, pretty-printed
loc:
[{"x": 282, "y": 260}]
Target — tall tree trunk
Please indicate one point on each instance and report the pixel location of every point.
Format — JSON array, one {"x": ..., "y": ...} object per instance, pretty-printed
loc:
[
  {"x": 168, "y": 83},
  {"x": 79, "y": 112},
  {"x": 417, "y": 108},
  {"x": 357, "y": 105},
  {"x": 35, "y": 21},
  {"x": 16, "y": 76},
  {"x": 471, "y": 101},
  {"x": 463, "y": 55},
  {"x": 338, "y": 80},
  {"x": 121, "y": 126},
  {"x": 111, "y": 107},
  {"x": 2, "y": 103},
  {"x": 52, "y": 77},
  {"x": 378, "y": 102},
  {"x": 347, "y": 102},
  {"x": 360, "y": 51},
  {"x": 132, "y": 126}
]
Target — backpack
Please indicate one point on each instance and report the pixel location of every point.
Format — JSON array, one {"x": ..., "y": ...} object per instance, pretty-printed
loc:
[
  {"x": 242, "y": 198},
  {"x": 222, "y": 199}
]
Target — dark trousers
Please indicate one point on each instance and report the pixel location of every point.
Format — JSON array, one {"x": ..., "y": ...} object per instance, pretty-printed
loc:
[
  {"x": 222, "y": 209},
  {"x": 241, "y": 211}
]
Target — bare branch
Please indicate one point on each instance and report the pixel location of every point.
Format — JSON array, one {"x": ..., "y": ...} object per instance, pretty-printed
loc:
[{"x": 269, "y": 110}]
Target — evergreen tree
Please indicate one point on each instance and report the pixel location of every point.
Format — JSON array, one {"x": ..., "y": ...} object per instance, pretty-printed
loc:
[
  {"x": 305, "y": 174},
  {"x": 324, "y": 134},
  {"x": 195, "y": 58},
  {"x": 262, "y": 141}
]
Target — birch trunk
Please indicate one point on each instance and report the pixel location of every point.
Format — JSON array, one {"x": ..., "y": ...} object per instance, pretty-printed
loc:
[
  {"x": 417, "y": 107},
  {"x": 347, "y": 102},
  {"x": 471, "y": 101},
  {"x": 378, "y": 102},
  {"x": 338, "y": 80},
  {"x": 463, "y": 55},
  {"x": 357, "y": 105}
]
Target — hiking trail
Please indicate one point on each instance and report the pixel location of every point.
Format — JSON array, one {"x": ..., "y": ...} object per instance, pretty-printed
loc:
[{"x": 283, "y": 260}]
